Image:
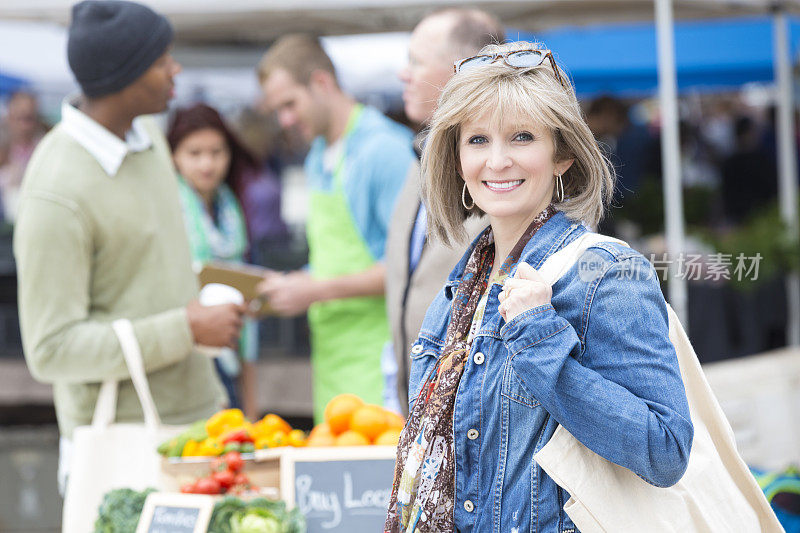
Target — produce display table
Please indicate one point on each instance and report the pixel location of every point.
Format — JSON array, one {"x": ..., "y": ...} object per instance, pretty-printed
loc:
[{"x": 336, "y": 488}]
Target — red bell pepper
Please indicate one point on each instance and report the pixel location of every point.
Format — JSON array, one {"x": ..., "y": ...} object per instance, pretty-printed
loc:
[{"x": 239, "y": 436}]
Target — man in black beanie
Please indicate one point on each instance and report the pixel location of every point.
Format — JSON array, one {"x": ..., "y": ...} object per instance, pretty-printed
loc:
[
  {"x": 100, "y": 236},
  {"x": 119, "y": 54}
]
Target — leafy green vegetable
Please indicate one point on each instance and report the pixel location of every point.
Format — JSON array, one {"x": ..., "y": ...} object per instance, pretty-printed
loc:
[
  {"x": 255, "y": 520},
  {"x": 120, "y": 510},
  {"x": 294, "y": 522},
  {"x": 223, "y": 512},
  {"x": 230, "y": 513}
]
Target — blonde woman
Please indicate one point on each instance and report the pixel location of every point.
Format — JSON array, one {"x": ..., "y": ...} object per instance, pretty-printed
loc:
[{"x": 502, "y": 357}]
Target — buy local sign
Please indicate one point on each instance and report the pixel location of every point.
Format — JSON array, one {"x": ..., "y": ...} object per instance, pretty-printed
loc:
[{"x": 342, "y": 489}]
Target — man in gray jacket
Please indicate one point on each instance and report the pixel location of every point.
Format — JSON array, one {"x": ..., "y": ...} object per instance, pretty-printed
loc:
[{"x": 417, "y": 267}]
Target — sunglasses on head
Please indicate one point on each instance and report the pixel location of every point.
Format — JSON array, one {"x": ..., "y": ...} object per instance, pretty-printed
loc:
[{"x": 516, "y": 59}]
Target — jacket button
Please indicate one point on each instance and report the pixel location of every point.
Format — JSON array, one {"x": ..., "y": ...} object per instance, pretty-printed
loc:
[
  {"x": 468, "y": 506},
  {"x": 472, "y": 434},
  {"x": 416, "y": 349},
  {"x": 478, "y": 358}
]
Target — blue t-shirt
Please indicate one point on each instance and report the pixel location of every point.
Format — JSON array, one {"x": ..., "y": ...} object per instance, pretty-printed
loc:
[{"x": 378, "y": 153}]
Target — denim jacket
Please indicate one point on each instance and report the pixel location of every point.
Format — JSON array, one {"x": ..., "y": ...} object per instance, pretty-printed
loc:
[{"x": 597, "y": 360}]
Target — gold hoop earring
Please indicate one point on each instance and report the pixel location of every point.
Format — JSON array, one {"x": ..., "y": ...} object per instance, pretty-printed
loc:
[
  {"x": 464, "y": 198},
  {"x": 560, "y": 187}
]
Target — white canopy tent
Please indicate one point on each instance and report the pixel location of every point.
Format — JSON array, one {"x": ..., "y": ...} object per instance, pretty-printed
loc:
[
  {"x": 260, "y": 21},
  {"x": 264, "y": 20}
]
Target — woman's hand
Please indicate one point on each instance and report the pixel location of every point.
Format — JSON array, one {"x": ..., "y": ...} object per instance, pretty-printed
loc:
[{"x": 526, "y": 290}]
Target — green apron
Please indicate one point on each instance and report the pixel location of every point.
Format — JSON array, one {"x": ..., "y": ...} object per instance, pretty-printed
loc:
[{"x": 347, "y": 335}]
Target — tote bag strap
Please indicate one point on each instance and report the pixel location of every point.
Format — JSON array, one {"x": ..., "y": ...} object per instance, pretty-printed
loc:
[
  {"x": 133, "y": 357},
  {"x": 561, "y": 261},
  {"x": 106, "y": 406}
]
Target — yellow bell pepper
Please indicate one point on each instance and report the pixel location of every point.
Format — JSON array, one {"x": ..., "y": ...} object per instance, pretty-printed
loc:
[
  {"x": 296, "y": 438},
  {"x": 190, "y": 448},
  {"x": 277, "y": 439},
  {"x": 262, "y": 443},
  {"x": 272, "y": 423},
  {"x": 209, "y": 448},
  {"x": 223, "y": 421},
  {"x": 260, "y": 430}
]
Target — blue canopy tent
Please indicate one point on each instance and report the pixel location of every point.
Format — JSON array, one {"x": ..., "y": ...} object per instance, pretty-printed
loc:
[
  {"x": 9, "y": 84},
  {"x": 701, "y": 55},
  {"x": 710, "y": 54}
]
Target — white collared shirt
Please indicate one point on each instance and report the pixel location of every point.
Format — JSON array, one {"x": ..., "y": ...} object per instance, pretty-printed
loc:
[{"x": 107, "y": 148}]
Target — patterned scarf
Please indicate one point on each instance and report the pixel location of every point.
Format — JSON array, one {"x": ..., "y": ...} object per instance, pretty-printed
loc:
[
  {"x": 423, "y": 492},
  {"x": 225, "y": 239}
]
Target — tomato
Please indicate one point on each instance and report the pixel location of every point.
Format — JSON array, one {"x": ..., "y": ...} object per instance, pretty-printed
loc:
[
  {"x": 208, "y": 485},
  {"x": 225, "y": 478},
  {"x": 241, "y": 480},
  {"x": 234, "y": 461},
  {"x": 188, "y": 488},
  {"x": 218, "y": 464}
]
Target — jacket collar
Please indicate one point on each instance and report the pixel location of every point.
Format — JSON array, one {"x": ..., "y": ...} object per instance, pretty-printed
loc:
[{"x": 551, "y": 237}]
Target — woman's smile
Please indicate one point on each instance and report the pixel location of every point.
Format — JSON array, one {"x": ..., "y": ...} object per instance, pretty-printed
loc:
[{"x": 502, "y": 186}]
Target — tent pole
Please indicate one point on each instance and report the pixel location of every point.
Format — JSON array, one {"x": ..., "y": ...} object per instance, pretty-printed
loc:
[
  {"x": 787, "y": 162},
  {"x": 670, "y": 155}
]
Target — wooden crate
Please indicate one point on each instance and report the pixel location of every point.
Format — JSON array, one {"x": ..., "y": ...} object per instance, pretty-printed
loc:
[
  {"x": 270, "y": 467},
  {"x": 179, "y": 471}
]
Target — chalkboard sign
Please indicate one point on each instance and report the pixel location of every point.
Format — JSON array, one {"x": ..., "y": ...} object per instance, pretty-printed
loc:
[
  {"x": 165, "y": 512},
  {"x": 343, "y": 489}
]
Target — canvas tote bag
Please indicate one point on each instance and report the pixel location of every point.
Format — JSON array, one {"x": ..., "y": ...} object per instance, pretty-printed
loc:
[
  {"x": 717, "y": 492},
  {"x": 107, "y": 455}
]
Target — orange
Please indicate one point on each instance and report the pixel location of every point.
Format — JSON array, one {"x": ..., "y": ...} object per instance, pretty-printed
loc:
[
  {"x": 369, "y": 420},
  {"x": 390, "y": 437},
  {"x": 320, "y": 429},
  {"x": 393, "y": 420},
  {"x": 351, "y": 438},
  {"x": 296, "y": 438},
  {"x": 339, "y": 410},
  {"x": 321, "y": 439},
  {"x": 320, "y": 436}
]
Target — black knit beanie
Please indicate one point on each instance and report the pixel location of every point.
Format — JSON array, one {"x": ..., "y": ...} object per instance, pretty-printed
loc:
[{"x": 113, "y": 42}]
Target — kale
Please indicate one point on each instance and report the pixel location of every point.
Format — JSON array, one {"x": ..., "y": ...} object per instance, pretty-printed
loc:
[{"x": 120, "y": 510}]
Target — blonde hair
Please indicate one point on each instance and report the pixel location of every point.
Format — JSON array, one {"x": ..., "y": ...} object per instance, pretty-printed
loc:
[
  {"x": 512, "y": 94},
  {"x": 298, "y": 54}
]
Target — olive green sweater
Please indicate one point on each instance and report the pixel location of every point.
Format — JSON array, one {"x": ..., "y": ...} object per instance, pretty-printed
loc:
[{"x": 92, "y": 248}]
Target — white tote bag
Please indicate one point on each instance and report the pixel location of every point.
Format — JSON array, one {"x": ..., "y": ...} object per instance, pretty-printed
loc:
[
  {"x": 108, "y": 456},
  {"x": 716, "y": 494}
]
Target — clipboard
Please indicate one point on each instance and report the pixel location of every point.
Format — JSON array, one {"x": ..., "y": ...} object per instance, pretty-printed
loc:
[{"x": 245, "y": 278}]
